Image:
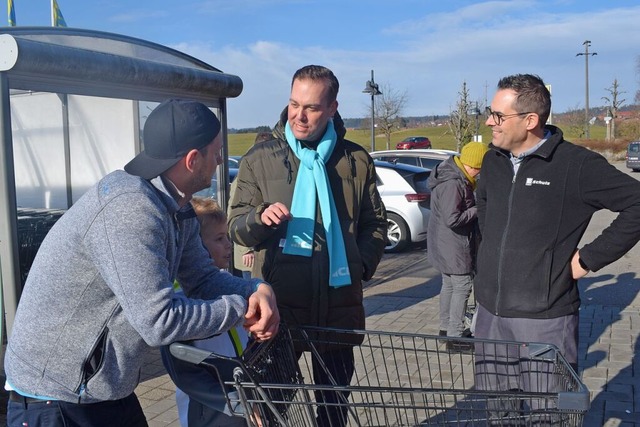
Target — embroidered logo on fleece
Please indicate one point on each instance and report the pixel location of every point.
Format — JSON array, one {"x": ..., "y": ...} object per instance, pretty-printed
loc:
[{"x": 530, "y": 181}]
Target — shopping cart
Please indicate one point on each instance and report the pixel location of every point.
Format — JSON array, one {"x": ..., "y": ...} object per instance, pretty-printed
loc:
[{"x": 403, "y": 379}]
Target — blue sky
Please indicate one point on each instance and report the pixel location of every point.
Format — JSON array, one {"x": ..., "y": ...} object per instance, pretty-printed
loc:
[{"x": 427, "y": 48}]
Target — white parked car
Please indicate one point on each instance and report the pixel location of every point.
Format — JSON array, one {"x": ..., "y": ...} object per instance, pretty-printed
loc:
[
  {"x": 406, "y": 197},
  {"x": 427, "y": 158}
]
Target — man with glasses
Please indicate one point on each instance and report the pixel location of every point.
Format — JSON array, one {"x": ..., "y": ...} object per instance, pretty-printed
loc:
[{"x": 535, "y": 199}]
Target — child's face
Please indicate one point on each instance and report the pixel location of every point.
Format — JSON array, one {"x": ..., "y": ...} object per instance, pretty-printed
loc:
[{"x": 216, "y": 240}]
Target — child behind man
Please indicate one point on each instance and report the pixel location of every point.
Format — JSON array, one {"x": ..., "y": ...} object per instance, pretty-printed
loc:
[{"x": 199, "y": 398}]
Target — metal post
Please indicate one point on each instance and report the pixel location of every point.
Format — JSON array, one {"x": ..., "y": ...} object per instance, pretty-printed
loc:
[
  {"x": 586, "y": 90},
  {"x": 372, "y": 88},
  {"x": 373, "y": 118},
  {"x": 609, "y": 121},
  {"x": 64, "y": 99},
  {"x": 476, "y": 112},
  {"x": 586, "y": 54},
  {"x": 10, "y": 273}
]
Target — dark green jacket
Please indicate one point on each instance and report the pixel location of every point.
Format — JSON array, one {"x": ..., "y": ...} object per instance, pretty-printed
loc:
[{"x": 267, "y": 175}]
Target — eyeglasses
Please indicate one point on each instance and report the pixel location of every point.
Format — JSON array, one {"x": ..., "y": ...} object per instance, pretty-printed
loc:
[{"x": 498, "y": 117}]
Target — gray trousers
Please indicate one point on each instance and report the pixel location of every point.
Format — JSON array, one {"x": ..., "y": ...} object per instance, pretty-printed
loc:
[
  {"x": 510, "y": 366},
  {"x": 454, "y": 296}
]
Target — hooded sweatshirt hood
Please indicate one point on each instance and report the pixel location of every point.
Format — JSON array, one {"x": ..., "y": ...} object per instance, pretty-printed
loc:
[{"x": 445, "y": 171}]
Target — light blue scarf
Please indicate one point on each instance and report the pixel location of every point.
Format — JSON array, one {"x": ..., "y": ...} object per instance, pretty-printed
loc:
[{"x": 313, "y": 181}]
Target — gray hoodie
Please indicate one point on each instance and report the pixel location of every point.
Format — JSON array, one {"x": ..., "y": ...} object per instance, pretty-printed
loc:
[{"x": 100, "y": 292}]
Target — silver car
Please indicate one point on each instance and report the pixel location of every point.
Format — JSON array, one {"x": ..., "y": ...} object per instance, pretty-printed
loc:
[{"x": 425, "y": 158}]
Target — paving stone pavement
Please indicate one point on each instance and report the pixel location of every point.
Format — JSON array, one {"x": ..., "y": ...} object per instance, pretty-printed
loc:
[{"x": 403, "y": 297}]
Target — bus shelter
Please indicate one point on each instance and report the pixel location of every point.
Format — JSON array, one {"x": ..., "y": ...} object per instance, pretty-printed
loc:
[{"x": 72, "y": 106}]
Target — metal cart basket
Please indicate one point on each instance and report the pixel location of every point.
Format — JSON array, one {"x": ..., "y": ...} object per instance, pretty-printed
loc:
[{"x": 402, "y": 379}]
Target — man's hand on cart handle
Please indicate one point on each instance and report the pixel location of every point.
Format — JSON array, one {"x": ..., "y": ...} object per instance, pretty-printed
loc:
[{"x": 262, "y": 318}]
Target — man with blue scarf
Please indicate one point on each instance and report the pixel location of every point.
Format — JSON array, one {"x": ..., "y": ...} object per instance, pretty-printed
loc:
[{"x": 307, "y": 202}]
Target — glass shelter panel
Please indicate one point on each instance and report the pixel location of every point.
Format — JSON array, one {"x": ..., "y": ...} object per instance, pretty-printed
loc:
[{"x": 97, "y": 136}]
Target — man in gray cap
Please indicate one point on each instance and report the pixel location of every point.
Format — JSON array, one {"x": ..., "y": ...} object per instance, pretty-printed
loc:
[{"x": 100, "y": 290}]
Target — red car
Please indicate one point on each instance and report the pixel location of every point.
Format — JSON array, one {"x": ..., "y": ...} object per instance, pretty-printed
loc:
[{"x": 412, "y": 142}]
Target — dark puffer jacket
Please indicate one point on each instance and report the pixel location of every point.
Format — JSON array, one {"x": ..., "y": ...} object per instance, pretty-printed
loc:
[
  {"x": 267, "y": 175},
  {"x": 451, "y": 233}
]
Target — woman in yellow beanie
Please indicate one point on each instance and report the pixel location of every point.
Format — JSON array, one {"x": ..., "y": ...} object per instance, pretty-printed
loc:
[{"x": 452, "y": 234}]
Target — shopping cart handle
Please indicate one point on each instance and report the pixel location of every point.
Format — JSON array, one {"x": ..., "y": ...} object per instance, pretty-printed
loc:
[
  {"x": 188, "y": 353},
  {"x": 542, "y": 351}
]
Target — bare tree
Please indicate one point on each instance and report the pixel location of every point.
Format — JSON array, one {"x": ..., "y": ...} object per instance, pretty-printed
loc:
[
  {"x": 573, "y": 119},
  {"x": 461, "y": 122},
  {"x": 614, "y": 104},
  {"x": 388, "y": 110}
]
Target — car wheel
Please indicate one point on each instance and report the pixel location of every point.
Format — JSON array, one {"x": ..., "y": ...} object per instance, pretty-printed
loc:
[{"x": 397, "y": 234}]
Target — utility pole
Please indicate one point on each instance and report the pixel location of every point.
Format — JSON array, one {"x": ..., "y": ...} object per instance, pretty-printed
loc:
[
  {"x": 486, "y": 86},
  {"x": 586, "y": 54}
]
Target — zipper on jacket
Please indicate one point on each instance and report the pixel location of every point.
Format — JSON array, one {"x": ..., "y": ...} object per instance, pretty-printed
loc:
[
  {"x": 287, "y": 165},
  {"x": 504, "y": 235},
  {"x": 93, "y": 363}
]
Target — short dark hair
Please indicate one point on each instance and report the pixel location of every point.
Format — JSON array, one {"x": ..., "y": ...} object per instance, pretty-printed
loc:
[
  {"x": 532, "y": 94},
  {"x": 318, "y": 72}
]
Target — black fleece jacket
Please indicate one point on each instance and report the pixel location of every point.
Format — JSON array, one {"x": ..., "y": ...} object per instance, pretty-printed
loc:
[{"x": 532, "y": 223}]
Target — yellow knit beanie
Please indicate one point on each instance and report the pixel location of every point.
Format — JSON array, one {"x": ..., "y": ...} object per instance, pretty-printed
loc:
[{"x": 473, "y": 153}]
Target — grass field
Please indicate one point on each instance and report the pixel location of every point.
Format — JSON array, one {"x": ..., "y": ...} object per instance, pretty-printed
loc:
[{"x": 440, "y": 137}]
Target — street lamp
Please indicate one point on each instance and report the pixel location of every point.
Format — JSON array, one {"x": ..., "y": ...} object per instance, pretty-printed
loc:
[
  {"x": 586, "y": 55},
  {"x": 372, "y": 87}
]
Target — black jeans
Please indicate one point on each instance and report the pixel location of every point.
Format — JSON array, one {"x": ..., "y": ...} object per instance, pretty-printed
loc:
[
  {"x": 125, "y": 412},
  {"x": 339, "y": 365}
]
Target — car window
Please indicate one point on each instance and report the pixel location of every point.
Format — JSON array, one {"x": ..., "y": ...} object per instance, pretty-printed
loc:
[
  {"x": 429, "y": 163},
  {"x": 420, "y": 185},
  {"x": 634, "y": 148},
  {"x": 407, "y": 160},
  {"x": 389, "y": 159},
  {"x": 420, "y": 182}
]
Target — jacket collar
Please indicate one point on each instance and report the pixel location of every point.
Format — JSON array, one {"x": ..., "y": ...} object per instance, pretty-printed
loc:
[
  {"x": 547, "y": 149},
  {"x": 165, "y": 195}
]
